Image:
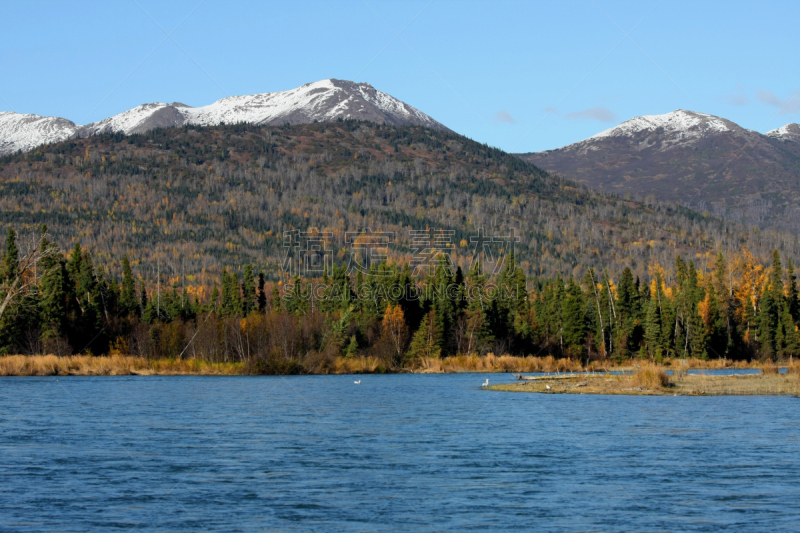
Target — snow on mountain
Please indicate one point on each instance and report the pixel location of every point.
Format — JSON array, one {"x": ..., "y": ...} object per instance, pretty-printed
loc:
[
  {"x": 137, "y": 120},
  {"x": 673, "y": 128},
  {"x": 322, "y": 101},
  {"x": 699, "y": 160},
  {"x": 26, "y": 132},
  {"x": 788, "y": 132}
]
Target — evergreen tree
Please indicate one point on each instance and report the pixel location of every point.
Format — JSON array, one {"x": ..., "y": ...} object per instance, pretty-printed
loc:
[
  {"x": 443, "y": 304},
  {"x": 277, "y": 301},
  {"x": 717, "y": 328},
  {"x": 9, "y": 266},
  {"x": 128, "y": 303},
  {"x": 231, "y": 297},
  {"x": 627, "y": 313},
  {"x": 653, "y": 329},
  {"x": 54, "y": 297},
  {"x": 352, "y": 348},
  {"x": 792, "y": 297},
  {"x": 767, "y": 320},
  {"x": 478, "y": 327},
  {"x": 573, "y": 319},
  {"x": 262, "y": 295},
  {"x": 248, "y": 291},
  {"x": 427, "y": 340}
]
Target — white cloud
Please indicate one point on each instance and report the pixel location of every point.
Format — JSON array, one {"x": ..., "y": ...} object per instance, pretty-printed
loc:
[
  {"x": 601, "y": 114},
  {"x": 739, "y": 98},
  {"x": 504, "y": 116},
  {"x": 785, "y": 107}
]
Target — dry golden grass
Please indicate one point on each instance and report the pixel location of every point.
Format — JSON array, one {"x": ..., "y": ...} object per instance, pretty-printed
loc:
[
  {"x": 754, "y": 384},
  {"x": 655, "y": 381},
  {"x": 645, "y": 376},
  {"x": 355, "y": 365},
  {"x": 650, "y": 377},
  {"x": 494, "y": 363},
  {"x": 115, "y": 365}
]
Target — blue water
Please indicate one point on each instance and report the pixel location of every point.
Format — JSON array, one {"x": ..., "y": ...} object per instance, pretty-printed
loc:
[{"x": 395, "y": 453}]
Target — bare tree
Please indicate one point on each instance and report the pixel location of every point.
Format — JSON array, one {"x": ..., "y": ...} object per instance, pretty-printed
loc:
[{"x": 24, "y": 278}]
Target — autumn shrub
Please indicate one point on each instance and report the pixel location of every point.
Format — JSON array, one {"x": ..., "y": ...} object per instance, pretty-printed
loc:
[{"x": 650, "y": 377}]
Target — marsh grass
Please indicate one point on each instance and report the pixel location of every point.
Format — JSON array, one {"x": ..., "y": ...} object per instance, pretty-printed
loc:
[
  {"x": 646, "y": 376},
  {"x": 357, "y": 365},
  {"x": 114, "y": 365},
  {"x": 650, "y": 377},
  {"x": 495, "y": 363},
  {"x": 653, "y": 380},
  {"x": 770, "y": 383}
]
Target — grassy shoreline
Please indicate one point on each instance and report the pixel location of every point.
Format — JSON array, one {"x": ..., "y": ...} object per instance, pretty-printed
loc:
[
  {"x": 654, "y": 381},
  {"x": 122, "y": 365}
]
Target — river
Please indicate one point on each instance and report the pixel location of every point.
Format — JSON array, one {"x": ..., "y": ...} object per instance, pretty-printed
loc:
[{"x": 394, "y": 453}]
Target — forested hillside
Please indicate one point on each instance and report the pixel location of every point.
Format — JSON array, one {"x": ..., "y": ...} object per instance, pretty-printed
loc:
[
  {"x": 704, "y": 162},
  {"x": 739, "y": 309},
  {"x": 189, "y": 200}
]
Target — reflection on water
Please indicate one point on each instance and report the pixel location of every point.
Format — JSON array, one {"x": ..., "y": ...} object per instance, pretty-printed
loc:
[{"x": 401, "y": 452}]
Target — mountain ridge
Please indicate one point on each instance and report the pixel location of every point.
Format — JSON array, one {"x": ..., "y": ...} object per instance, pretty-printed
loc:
[
  {"x": 321, "y": 101},
  {"x": 699, "y": 160}
]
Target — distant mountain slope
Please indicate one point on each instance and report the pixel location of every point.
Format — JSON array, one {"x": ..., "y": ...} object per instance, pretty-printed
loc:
[
  {"x": 789, "y": 132},
  {"x": 195, "y": 198},
  {"x": 26, "y": 132},
  {"x": 322, "y": 101},
  {"x": 703, "y": 161}
]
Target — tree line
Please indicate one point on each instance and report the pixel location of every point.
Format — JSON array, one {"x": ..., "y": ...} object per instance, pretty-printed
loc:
[{"x": 63, "y": 303}]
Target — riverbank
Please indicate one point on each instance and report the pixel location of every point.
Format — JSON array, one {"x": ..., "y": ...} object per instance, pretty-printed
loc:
[
  {"x": 654, "y": 381},
  {"x": 121, "y": 365}
]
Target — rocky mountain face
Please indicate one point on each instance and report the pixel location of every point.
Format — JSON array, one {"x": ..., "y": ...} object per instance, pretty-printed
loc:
[
  {"x": 322, "y": 101},
  {"x": 701, "y": 161}
]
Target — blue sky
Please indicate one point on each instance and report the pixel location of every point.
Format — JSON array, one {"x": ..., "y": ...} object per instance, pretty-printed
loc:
[{"x": 523, "y": 76}]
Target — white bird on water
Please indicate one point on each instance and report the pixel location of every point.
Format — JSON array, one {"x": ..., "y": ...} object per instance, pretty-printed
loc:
[
  {"x": 357, "y": 382},
  {"x": 485, "y": 383}
]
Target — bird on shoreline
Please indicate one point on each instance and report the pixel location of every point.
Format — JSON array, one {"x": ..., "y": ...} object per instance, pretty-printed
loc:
[{"x": 485, "y": 383}]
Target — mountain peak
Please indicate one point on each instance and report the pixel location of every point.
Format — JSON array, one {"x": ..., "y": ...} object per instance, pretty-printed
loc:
[
  {"x": 680, "y": 124},
  {"x": 787, "y": 132},
  {"x": 25, "y": 132},
  {"x": 320, "y": 101}
]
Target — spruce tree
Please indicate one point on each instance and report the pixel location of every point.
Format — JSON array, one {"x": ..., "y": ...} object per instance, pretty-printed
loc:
[
  {"x": 718, "y": 331},
  {"x": 627, "y": 314},
  {"x": 128, "y": 303},
  {"x": 573, "y": 319},
  {"x": 262, "y": 295},
  {"x": 653, "y": 329},
  {"x": 248, "y": 291},
  {"x": 443, "y": 303},
  {"x": 477, "y": 314},
  {"x": 792, "y": 297},
  {"x": 54, "y": 297},
  {"x": 9, "y": 266},
  {"x": 427, "y": 340},
  {"x": 231, "y": 297}
]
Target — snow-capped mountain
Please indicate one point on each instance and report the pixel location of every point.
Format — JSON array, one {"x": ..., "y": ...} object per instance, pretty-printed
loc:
[
  {"x": 26, "y": 132},
  {"x": 700, "y": 160},
  {"x": 678, "y": 128},
  {"x": 322, "y": 101},
  {"x": 789, "y": 132}
]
